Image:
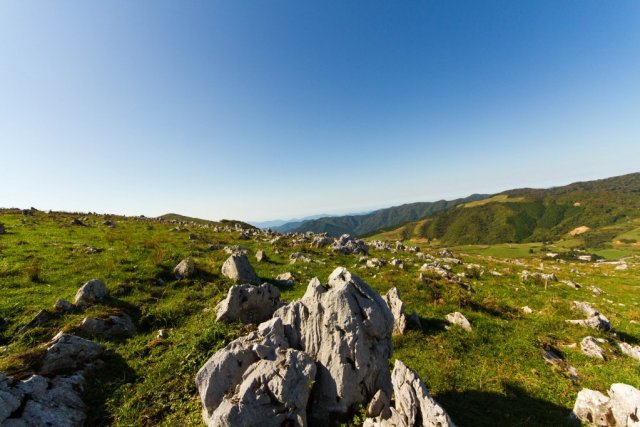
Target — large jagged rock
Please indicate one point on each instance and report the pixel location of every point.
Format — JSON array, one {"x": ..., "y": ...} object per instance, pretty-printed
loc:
[
  {"x": 43, "y": 401},
  {"x": 115, "y": 326},
  {"x": 238, "y": 268},
  {"x": 413, "y": 404},
  {"x": 248, "y": 303},
  {"x": 91, "y": 292},
  {"x": 392, "y": 298},
  {"x": 224, "y": 371},
  {"x": 346, "y": 327},
  {"x": 68, "y": 352},
  {"x": 185, "y": 269},
  {"x": 346, "y": 244},
  {"x": 620, "y": 408},
  {"x": 271, "y": 393}
]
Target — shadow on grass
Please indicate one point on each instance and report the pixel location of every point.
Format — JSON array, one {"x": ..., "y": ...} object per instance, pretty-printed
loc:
[
  {"x": 500, "y": 311},
  {"x": 628, "y": 338},
  {"x": 102, "y": 383},
  {"x": 515, "y": 408},
  {"x": 432, "y": 326}
]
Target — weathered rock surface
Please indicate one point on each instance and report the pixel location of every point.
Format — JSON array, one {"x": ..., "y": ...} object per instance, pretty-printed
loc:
[
  {"x": 42, "y": 401},
  {"x": 458, "y": 318},
  {"x": 91, "y": 292},
  {"x": 115, "y": 326},
  {"x": 261, "y": 256},
  {"x": 271, "y": 393},
  {"x": 185, "y": 269},
  {"x": 62, "y": 306},
  {"x": 346, "y": 327},
  {"x": 346, "y": 244},
  {"x": 594, "y": 320},
  {"x": 413, "y": 404},
  {"x": 299, "y": 256},
  {"x": 620, "y": 408},
  {"x": 248, "y": 303},
  {"x": 630, "y": 350},
  {"x": 239, "y": 269},
  {"x": 375, "y": 263},
  {"x": 68, "y": 352},
  {"x": 590, "y": 347},
  {"x": 392, "y": 298}
]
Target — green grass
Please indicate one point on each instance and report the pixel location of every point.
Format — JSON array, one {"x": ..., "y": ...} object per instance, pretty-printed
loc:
[{"x": 494, "y": 375}]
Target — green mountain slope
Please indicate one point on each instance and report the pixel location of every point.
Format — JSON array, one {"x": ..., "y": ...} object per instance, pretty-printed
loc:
[
  {"x": 383, "y": 218},
  {"x": 526, "y": 215}
]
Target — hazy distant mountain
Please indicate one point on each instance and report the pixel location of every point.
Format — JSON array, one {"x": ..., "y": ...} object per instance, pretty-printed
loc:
[
  {"x": 596, "y": 210},
  {"x": 382, "y": 218},
  {"x": 274, "y": 224}
]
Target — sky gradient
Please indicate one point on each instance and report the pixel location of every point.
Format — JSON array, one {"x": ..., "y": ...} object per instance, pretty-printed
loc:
[{"x": 259, "y": 110}]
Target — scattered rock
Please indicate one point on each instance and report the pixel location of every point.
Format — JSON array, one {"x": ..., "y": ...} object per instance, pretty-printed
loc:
[
  {"x": 248, "y": 304},
  {"x": 62, "y": 306},
  {"x": 457, "y": 318},
  {"x": 261, "y": 256},
  {"x": 595, "y": 319},
  {"x": 620, "y": 408},
  {"x": 109, "y": 223},
  {"x": 590, "y": 347},
  {"x": 527, "y": 310},
  {"x": 554, "y": 359},
  {"x": 239, "y": 269},
  {"x": 375, "y": 263},
  {"x": 162, "y": 334},
  {"x": 236, "y": 250},
  {"x": 321, "y": 241},
  {"x": 76, "y": 221},
  {"x": 119, "y": 326},
  {"x": 596, "y": 290},
  {"x": 346, "y": 244},
  {"x": 68, "y": 352},
  {"x": 630, "y": 350},
  {"x": 397, "y": 263},
  {"x": 571, "y": 284},
  {"x": 286, "y": 279},
  {"x": 298, "y": 256},
  {"x": 91, "y": 292},
  {"x": 392, "y": 298},
  {"x": 39, "y": 319},
  {"x": 185, "y": 269},
  {"x": 622, "y": 267}
]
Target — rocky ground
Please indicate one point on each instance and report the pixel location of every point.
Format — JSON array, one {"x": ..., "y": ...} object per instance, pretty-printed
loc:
[{"x": 135, "y": 321}]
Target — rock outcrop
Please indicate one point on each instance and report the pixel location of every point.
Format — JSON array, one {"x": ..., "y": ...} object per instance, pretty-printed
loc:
[
  {"x": 91, "y": 292},
  {"x": 238, "y": 268},
  {"x": 458, "y": 318},
  {"x": 115, "y": 326},
  {"x": 594, "y": 320},
  {"x": 346, "y": 244},
  {"x": 185, "y": 269},
  {"x": 248, "y": 303},
  {"x": 392, "y": 298},
  {"x": 620, "y": 408},
  {"x": 68, "y": 352},
  {"x": 413, "y": 404},
  {"x": 346, "y": 327},
  {"x": 590, "y": 347}
]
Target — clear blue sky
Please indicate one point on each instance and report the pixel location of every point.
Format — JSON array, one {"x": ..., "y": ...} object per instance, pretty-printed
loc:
[{"x": 263, "y": 109}]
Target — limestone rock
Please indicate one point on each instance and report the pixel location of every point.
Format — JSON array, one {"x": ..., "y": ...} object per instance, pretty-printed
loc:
[
  {"x": 299, "y": 256},
  {"x": 91, "y": 292},
  {"x": 414, "y": 406},
  {"x": 62, "y": 306},
  {"x": 248, "y": 303},
  {"x": 321, "y": 242},
  {"x": 115, "y": 326},
  {"x": 286, "y": 279},
  {"x": 185, "y": 269},
  {"x": 261, "y": 256},
  {"x": 238, "y": 269},
  {"x": 458, "y": 318},
  {"x": 44, "y": 402},
  {"x": 271, "y": 393},
  {"x": 594, "y": 320},
  {"x": 392, "y": 298},
  {"x": 346, "y": 244},
  {"x": 375, "y": 263},
  {"x": 630, "y": 350},
  {"x": 590, "y": 347},
  {"x": 527, "y": 310},
  {"x": 69, "y": 352},
  {"x": 620, "y": 408},
  {"x": 346, "y": 327},
  {"x": 224, "y": 371},
  {"x": 379, "y": 406}
]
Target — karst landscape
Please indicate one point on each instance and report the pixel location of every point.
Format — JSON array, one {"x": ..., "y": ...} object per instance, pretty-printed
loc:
[{"x": 120, "y": 320}]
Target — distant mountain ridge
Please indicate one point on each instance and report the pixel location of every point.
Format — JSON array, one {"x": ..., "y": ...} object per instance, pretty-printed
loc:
[
  {"x": 360, "y": 225},
  {"x": 606, "y": 206}
]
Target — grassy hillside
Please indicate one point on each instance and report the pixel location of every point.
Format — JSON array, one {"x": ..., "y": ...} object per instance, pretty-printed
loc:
[
  {"x": 493, "y": 376},
  {"x": 183, "y": 218},
  {"x": 360, "y": 225},
  {"x": 606, "y": 206}
]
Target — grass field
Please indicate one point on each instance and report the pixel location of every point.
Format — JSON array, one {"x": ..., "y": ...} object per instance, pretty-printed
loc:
[{"x": 493, "y": 376}]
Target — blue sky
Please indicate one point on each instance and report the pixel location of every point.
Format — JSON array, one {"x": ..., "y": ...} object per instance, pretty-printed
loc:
[{"x": 259, "y": 110}]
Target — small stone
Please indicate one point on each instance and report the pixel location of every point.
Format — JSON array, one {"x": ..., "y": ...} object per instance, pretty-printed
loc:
[
  {"x": 185, "y": 269},
  {"x": 91, "y": 292},
  {"x": 458, "y": 318}
]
